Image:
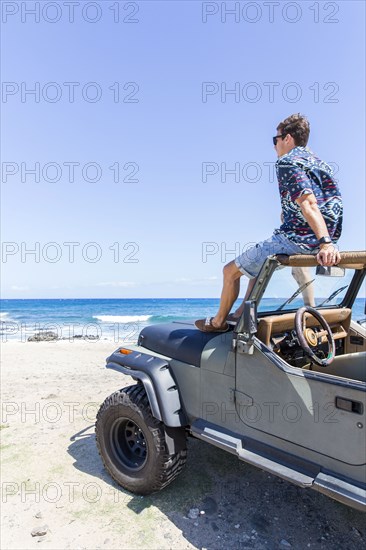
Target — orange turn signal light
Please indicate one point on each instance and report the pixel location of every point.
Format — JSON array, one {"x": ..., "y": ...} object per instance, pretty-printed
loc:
[{"x": 125, "y": 351}]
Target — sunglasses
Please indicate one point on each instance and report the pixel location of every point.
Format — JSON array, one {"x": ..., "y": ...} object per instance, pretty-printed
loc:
[{"x": 275, "y": 138}]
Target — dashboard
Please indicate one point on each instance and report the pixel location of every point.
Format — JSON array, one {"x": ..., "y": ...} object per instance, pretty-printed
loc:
[{"x": 278, "y": 332}]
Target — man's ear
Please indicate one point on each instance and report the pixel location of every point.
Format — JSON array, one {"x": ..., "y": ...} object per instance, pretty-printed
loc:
[{"x": 289, "y": 140}]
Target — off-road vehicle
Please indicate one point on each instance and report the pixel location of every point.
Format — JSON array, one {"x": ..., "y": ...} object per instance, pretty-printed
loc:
[{"x": 284, "y": 389}]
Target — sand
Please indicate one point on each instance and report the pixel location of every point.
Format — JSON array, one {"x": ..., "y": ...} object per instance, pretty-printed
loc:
[{"x": 53, "y": 480}]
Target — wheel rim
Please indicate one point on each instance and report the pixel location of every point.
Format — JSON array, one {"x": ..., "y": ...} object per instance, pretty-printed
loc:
[{"x": 128, "y": 444}]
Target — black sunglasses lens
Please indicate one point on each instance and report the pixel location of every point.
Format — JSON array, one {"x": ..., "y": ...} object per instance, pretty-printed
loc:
[{"x": 275, "y": 138}]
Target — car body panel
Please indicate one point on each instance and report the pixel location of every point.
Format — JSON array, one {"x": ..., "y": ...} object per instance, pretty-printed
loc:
[{"x": 301, "y": 409}]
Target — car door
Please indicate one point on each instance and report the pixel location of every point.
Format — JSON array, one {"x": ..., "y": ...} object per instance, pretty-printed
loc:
[{"x": 300, "y": 407}]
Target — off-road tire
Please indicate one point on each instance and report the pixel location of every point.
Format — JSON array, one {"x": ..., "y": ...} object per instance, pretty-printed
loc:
[{"x": 132, "y": 444}]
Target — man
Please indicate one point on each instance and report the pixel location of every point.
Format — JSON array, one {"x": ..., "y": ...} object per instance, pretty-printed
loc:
[{"x": 312, "y": 217}]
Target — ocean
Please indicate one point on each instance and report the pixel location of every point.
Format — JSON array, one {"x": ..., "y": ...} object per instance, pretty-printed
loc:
[{"x": 118, "y": 320}]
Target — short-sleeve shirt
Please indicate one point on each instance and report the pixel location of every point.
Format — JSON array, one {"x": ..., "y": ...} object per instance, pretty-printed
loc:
[{"x": 300, "y": 172}]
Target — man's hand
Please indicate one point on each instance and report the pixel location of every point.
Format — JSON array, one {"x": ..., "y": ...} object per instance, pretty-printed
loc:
[{"x": 328, "y": 255}]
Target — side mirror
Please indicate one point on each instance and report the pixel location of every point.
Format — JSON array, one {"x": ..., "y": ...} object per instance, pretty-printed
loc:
[{"x": 330, "y": 271}]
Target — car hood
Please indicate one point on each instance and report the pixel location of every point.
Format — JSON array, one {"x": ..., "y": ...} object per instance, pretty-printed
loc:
[{"x": 177, "y": 340}]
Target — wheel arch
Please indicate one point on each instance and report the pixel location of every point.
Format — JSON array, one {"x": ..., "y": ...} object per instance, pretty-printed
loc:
[{"x": 155, "y": 375}]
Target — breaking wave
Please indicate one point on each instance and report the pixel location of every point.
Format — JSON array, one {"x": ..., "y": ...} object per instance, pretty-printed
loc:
[{"x": 122, "y": 318}]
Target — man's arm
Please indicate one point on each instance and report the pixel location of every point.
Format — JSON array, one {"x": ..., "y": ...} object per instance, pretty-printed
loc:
[{"x": 328, "y": 254}]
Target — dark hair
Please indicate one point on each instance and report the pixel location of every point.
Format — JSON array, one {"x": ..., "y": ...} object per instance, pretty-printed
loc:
[{"x": 298, "y": 127}]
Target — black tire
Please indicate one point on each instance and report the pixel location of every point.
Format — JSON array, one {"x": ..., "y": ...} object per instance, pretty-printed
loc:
[{"x": 132, "y": 445}]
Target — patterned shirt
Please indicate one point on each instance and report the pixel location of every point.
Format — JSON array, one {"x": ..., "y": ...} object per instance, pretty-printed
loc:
[{"x": 300, "y": 172}]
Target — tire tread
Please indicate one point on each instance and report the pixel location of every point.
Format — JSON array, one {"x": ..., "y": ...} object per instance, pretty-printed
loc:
[{"x": 170, "y": 465}]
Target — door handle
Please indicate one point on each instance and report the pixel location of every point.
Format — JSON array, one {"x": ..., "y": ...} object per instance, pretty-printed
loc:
[{"x": 349, "y": 405}]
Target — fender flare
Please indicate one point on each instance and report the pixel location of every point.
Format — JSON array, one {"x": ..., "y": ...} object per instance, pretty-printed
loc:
[{"x": 154, "y": 373}]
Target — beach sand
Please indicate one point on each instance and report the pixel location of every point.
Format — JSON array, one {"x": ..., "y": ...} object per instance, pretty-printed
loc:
[{"x": 53, "y": 476}]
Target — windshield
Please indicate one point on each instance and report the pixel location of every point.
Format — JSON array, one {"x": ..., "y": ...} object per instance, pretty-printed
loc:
[{"x": 294, "y": 287}]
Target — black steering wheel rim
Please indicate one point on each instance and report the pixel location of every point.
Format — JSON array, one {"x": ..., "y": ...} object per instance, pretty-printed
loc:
[{"x": 299, "y": 324}]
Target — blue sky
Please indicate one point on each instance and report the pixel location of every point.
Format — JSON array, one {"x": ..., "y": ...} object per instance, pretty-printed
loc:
[{"x": 169, "y": 232}]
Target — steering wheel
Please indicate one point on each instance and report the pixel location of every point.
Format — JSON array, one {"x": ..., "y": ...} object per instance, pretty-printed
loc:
[{"x": 308, "y": 337}]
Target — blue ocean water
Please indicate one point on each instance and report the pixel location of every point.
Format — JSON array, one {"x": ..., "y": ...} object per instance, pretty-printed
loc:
[
  {"x": 119, "y": 320},
  {"x": 116, "y": 319}
]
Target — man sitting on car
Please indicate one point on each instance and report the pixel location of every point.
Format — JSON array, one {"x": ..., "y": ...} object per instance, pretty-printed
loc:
[{"x": 312, "y": 218}]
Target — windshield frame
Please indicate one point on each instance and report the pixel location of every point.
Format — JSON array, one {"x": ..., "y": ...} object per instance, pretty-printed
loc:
[{"x": 267, "y": 271}]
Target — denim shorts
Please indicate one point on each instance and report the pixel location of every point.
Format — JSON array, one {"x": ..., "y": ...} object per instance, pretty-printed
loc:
[{"x": 252, "y": 259}]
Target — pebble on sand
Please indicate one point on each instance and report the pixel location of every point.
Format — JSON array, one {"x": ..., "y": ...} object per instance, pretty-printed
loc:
[{"x": 40, "y": 531}]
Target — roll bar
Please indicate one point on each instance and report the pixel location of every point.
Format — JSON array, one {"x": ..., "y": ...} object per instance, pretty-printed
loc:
[{"x": 351, "y": 260}]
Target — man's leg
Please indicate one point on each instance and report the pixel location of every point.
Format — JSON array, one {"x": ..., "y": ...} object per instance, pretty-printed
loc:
[
  {"x": 301, "y": 276},
  {"x": 230, "y": 293},
  {"x": 237, "y": 313},
  {"x": 250, "y": 263}
]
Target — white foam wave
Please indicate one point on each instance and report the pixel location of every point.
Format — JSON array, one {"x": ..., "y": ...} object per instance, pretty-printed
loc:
[
  {"x": 3, "y": 314},
  {"x": 122, "y": 318}
]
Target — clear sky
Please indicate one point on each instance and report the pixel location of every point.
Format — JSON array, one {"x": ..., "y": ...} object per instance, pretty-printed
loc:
[{"x": 131, "y": 132}]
